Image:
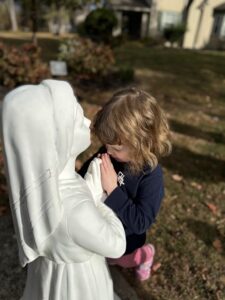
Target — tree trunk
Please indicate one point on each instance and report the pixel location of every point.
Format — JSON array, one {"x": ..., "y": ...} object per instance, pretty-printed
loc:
[
  {"x": 12, "y": 14},
  {"x": 34, "y": 21},
  {"x": 153, "y": 22}
]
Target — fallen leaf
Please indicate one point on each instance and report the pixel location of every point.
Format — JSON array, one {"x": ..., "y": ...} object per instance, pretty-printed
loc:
[
  {"x": 212, "y": 207},
  {"x": 217, "y": 244},
  {"x": 177, "y": 177},
  {"x": 222, "y": 279},
  {"x": 156, "y": 266},
  {"x": 204, "y": 277},
  {"x": 196, "y": 185}
]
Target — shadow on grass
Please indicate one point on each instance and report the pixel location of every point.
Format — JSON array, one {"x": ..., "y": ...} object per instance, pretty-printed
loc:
[
  {"x": 203, "y": 68},
  {"x": 145, "y": 295},
  {"x": 206, "y": 232},
  {"x": 193, "y": 131},
  {"x": 195, "y": 166}
]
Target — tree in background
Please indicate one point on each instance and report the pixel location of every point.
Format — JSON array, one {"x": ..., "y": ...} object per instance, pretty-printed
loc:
[
  {"x": 60, "y": 13},
  {"x": 12, "y": 14},
  {"x": 4, "y": 16},
  {"x": 99, "y": 24}
]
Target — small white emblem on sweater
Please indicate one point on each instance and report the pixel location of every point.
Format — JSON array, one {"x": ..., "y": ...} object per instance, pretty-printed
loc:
[{"x": 120, "y": 178}]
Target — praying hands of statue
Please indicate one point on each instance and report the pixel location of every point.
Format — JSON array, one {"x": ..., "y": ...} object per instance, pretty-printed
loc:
[{"x": 93, "y": 180}]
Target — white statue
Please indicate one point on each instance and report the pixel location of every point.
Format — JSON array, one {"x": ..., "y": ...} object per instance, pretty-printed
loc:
[{"x": 63, "y": 233}]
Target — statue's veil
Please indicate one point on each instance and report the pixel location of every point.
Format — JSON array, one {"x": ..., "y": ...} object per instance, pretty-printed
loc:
[{"x": 37, "y": 135}]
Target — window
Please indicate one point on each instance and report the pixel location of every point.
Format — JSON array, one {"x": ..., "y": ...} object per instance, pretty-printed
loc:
[
  {"x": 222, "y": 30},
  {"x": 219, "y": 25},
  {"x": 169, "y": 18}
]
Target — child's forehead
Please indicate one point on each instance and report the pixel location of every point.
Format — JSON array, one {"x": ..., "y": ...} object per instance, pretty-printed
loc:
[
  {"x": 114, "y": 145},
  {"x": 117, "y": 146}
]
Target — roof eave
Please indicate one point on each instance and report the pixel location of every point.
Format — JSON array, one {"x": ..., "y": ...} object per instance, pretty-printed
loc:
[{"x": 129, "y": 8}]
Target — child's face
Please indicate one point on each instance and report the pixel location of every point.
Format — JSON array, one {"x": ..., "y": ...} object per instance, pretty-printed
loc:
[{"x": 119, "y": 152}]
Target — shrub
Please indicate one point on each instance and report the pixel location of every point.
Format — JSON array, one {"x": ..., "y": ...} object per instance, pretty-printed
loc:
[
  {"x": 152, "y": 42},
  {"x": 99, "y": 24},
  {"x": 124, "y": 75},
  {"x": 216, "y": 43},
  {"x": 174, "y": 33},
  {"x": 87, "y": 60},
  {"x": 19, "y": 65}
]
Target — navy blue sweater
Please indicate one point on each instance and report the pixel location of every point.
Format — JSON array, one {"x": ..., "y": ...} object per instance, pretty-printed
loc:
[{"x": 136, "y": 201}]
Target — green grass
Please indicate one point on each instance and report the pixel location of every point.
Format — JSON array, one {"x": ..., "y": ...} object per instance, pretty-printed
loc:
[{"x": 189, "y": 237}]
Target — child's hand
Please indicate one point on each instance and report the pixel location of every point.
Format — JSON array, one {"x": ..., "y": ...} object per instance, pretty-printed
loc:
[{"x": 108, "y": 174}]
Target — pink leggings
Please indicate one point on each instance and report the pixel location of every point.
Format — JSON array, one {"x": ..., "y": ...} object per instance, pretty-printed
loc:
[{"x": 141, "y": 255}]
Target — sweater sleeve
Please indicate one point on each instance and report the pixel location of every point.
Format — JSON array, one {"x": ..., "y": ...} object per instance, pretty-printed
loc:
[{"x": 138, "y": 214}]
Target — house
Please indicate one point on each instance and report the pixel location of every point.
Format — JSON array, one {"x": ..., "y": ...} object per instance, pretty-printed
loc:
[
  {"x": 204, "y": 19},
  {"x": 133, "y": 17},
  {"x": 217, "y": 39},
  {"x": 143, "y": 18}
]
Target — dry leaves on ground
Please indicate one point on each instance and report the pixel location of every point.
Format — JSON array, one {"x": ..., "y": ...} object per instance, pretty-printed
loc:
[{"x": 177, "y": 177}]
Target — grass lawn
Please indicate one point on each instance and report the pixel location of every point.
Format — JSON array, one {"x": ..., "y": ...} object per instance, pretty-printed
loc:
[{"x": 189, "y": 234}]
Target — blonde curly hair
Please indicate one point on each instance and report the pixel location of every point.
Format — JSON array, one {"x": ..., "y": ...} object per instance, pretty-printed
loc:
[{"x": 134, "y": 118}]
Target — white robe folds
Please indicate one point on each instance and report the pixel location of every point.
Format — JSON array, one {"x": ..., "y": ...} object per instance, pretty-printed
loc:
[{"x": 84, "y": 237}]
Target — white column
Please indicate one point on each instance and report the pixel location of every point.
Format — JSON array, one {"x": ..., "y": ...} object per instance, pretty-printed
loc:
[
  {"x": 144, "y": 25},
  {"x": 118, "y": 30},
  {"x": 153, "y": 24}
]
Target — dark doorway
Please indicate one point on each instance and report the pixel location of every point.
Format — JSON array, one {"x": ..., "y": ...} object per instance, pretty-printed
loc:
[{"x": 132, "y": 24}]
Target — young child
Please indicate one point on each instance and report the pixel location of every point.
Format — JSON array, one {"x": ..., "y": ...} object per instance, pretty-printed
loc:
[{"x": 135, "y": 134}]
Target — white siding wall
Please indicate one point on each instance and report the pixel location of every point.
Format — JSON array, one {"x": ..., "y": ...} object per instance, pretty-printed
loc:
[
  {"x": 199, "y": 33},
  {"x": 169, "y": 12},
  {"x": 171, "y": 5}
]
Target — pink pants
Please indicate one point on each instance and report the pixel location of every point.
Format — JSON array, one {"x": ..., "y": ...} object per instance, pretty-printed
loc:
[{"x": 141, "y": 255}]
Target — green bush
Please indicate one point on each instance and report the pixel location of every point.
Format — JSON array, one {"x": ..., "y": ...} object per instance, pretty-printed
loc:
[
  {"x": 124, "y": 74},
  {"x": 19, "y": 65},
  {"x": 99, "y": 24},
  {"x": 87, "y": 60},
  {"x": 152, "y": 42},
  {"x": 174, "y": 33},
  {"x": 216, "y": 43}
]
